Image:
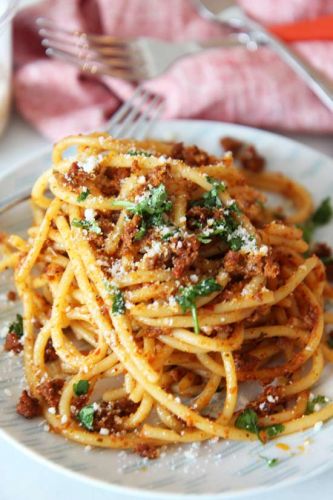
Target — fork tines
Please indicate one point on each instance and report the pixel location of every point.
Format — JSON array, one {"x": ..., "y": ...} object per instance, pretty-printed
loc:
[
  {"x": 95, "y": 54},
  {"x": 136, "y": 117}
]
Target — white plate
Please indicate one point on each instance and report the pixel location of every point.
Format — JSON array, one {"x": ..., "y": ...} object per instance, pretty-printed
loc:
[{"x": 219, "y": 470}]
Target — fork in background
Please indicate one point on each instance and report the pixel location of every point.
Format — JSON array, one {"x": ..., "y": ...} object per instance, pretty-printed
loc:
[
  {"x": 129, "y": 59},
  {"x": 133, "y": 119}
]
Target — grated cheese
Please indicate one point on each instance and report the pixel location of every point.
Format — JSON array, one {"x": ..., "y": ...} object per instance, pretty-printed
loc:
[{"x": 90, "y": 214}]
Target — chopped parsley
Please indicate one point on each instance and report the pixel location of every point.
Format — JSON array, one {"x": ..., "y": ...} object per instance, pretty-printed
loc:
[
  {"x": 271, "y": 462},
  {"x": 211, "y": 199},
  {"x": 118, "y": 304},
  {"x": 141, "y": 231},
  {"x": 83, "y": 195},
  {"x": 81, "y": 387},
  {"x": 233, "y": 207},
  {"x": 270, "y": 432},
  {"x": 173, "y": 231},
  {"x": 151, "y": 208},
  {"x": 317, "y": 400},
  {"x": 135, "y": 152},
  {"x": 321, "y": 216},
  {"x": 86, "y": 416},
  {"x": 17, "y": 326},
  {"x": 229, "y": 230},
  {"x": 274, "y": 430},
  {"x": 326, "y": 260},
  {"x": 89, "y": 225},
  {"x": 248, "y": 420},
  {"x": 188, "y": 295}
]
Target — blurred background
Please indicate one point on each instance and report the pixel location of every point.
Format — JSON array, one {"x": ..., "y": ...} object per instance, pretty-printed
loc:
[{"x": 245, "y": 79}]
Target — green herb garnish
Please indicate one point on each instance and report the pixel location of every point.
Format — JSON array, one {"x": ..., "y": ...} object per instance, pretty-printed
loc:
[
  {"x": 274, "y": 430},
  {"x": 248, "y": 420},
  {"x": 151, "y": 209},
  {"x": 330, "y": 342},
  {"x": 17, "y": 326},
  {"x": 170, "y": 234},
  {"x": 317, "y": 400},
  {"x": 221, "y": 227},
  {"x": 271, "y": 462},
  {"x": 226, "y": 230},
  {"x": 83, "y": 195},
  {"x": 270, "y": 432},
  {"x": 86, "y": 417},
  {"x": 189, "y": 294},
  {"x": 211, "y": 199},
  {"x": 233, "y": 207},
  {"x": 87, "y": 224},
  {"x": 326, "y": 260},
  {"x": 321, "y": 216},
  {"x": 134, "y": 152},
  {"x": 118, "y": 304},
  {"x": 81, "y": 387}
]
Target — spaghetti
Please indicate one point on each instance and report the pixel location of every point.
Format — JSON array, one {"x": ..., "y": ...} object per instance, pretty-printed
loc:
[{"x": 156, "y": 281}]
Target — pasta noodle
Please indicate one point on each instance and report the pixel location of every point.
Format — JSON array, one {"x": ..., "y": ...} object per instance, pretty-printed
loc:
[{"x": 154, "y": 283}]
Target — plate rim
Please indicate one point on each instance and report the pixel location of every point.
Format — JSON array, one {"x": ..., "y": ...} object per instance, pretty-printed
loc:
[{"x": 142, "y": 492}]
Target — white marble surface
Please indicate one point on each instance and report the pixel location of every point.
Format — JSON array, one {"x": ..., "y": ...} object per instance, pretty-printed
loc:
[{"x": 23, "y": 477}]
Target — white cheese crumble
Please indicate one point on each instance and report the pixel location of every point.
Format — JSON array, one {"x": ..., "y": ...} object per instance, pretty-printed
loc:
[
  {"x": 52, "y": 410},
  {"x": 64, "y": 419},
  {"x": 317, "y": 426},
  {"x": 263, "y": 250},
  {"x": 89, "y": 214},
  {"x": 141, "y": 179},
  {"x": 172, "y": 300},
  {"x": 89, "y": 164},
  {"x": 104, "y": 431},
  {"x": 117, "y": 269},
  {"x": 156, "y": 249},
  {"x": 249, "y": 244}
]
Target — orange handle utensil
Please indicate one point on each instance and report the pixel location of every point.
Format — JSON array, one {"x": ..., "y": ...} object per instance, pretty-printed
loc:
[{"x": 320, "y": 28}]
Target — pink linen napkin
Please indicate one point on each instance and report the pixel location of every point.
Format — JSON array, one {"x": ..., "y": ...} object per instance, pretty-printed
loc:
[{"x": 234, "y": 85}]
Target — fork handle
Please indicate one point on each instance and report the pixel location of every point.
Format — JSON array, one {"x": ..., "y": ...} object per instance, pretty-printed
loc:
[{"x": 318, "y": 83}]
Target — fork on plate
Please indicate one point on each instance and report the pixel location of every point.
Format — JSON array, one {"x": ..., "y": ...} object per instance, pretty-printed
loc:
[
  {"x": 134, "y": 59},
  {"x": 133, "y": 119}
]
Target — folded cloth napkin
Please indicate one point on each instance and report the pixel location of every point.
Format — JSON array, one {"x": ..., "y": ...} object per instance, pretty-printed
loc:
[{"x": 234, "y": 85}]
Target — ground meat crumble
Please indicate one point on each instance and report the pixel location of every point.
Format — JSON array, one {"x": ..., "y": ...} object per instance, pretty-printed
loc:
[
  {"x": 147, "y": 451},
  {"x": 28, "y": 406},
  {"x": 50, "y": 390},
  {"x": 50, "y": 353},
  {"x": 13, "y": 343},
  {"x": 246, "y": 154}
]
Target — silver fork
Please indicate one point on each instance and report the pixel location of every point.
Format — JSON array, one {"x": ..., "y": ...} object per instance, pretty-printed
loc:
[
  {"x": 133, "y": 119},
  {"x": 129, "y": 59}
]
